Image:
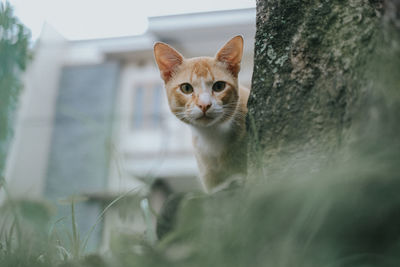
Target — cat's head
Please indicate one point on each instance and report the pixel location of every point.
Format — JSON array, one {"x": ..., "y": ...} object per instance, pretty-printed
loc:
[{"x": 201, "y": 91}]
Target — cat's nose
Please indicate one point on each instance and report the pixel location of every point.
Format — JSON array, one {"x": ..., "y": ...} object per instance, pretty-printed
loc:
[
  {"x": 204, "y": 106},
  {"x": 204, "y": 102}
]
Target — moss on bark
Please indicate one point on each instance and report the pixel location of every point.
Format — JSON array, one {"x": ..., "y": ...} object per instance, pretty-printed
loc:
[{"x": 309, "y": 68}]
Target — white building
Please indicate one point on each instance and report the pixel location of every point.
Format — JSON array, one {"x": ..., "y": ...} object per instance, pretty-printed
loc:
[{"x": 94, "y": 119}]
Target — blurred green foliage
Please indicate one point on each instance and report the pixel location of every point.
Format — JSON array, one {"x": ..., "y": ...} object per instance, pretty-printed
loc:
[{"x": 14, "y": 55}]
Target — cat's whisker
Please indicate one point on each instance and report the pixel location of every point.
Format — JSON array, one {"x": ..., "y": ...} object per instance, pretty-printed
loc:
[
  {"x": 231, "y": 103},
  {"x": 180, "y": 115}
]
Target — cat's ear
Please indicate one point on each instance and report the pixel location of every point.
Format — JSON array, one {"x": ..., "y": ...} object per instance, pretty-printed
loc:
[
  {"x": 231, "y": 54},
  {"x": 168, "y": 59}
]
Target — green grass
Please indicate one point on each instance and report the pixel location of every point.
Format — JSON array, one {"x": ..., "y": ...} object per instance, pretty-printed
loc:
[{"x": 344, "y": 214}]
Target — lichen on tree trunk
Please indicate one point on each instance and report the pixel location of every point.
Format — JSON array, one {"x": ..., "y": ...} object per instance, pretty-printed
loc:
[{"x": 309, "y": 68}]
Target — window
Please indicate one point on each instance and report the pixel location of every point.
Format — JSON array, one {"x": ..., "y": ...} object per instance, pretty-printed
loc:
[{"x": 147, "y": 106}]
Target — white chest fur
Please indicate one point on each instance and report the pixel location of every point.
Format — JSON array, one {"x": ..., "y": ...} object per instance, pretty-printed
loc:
[{"x": 211, "y": 141}]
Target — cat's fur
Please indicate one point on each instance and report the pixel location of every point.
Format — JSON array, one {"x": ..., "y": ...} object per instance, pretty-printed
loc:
[{"x": 217, "y": 118}]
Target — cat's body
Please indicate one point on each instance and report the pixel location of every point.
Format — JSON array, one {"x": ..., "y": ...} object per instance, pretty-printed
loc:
[
  {"x": 221, "y": 150},
  {"x": 204, "y": 93}
]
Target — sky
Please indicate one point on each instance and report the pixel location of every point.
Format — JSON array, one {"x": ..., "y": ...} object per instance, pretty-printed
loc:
[{"x": 91, "y": 19}]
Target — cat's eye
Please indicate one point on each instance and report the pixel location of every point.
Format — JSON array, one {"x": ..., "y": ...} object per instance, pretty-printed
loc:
[
  {"x": 218, "y": 86},
  {"x": 186, "y": 88}
]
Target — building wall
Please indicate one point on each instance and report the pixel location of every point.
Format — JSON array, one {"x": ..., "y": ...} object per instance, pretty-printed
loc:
[
  {"x": 79, "y": 155},
  {"x": 28, "y": 158}
]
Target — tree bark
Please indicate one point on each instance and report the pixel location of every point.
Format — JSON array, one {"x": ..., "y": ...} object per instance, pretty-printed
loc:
[{"x": 310, "y": 73}]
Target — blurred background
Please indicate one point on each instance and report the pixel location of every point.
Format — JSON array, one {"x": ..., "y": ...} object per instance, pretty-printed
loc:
[{"x": 92, "y": 121}]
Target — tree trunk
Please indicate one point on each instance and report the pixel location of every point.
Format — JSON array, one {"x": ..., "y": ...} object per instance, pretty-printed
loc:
[{"x": 311, "y": 67}]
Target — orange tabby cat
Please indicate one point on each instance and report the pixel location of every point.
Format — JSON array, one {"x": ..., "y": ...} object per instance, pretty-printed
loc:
[{"x": 204, "y": 93}]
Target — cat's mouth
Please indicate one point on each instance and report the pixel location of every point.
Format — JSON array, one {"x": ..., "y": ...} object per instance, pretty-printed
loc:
[
  {"x": 205, "y": 117},
  {"x": 205, "y": 120}
]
